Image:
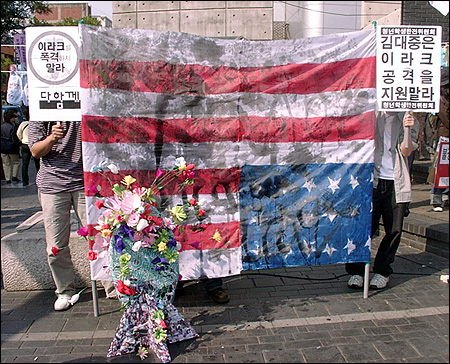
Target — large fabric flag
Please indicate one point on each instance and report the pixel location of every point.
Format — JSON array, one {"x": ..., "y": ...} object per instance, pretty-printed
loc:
[{"x": 281, "y": 133}]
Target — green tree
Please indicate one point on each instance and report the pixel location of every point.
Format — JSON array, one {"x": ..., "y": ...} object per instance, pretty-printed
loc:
[
  {"x": 18, "y": 15},
  {"x": 85, "y": 20}
]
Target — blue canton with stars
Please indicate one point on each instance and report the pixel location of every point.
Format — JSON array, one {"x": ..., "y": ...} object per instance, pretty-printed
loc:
[{"x": 305, "y": 215}]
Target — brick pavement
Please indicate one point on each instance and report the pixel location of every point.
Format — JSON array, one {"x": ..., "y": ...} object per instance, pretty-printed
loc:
[{"x": 301, "y": 314}]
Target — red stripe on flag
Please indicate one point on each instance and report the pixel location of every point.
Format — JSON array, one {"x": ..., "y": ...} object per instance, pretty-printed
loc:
[
  {"x": 100, "y": 129},
  {"x": 214, "y": 236},
  {"x": 181, "y": 79},
  {"x": 206, "y": 181}
]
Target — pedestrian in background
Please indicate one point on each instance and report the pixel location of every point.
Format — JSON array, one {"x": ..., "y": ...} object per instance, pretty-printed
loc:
[
  {"x": 10, "y": 146},
  {"x": 391, "y": 192},
  {"x": 22, "y": 134},
  {"x": 60, "y": 185}
]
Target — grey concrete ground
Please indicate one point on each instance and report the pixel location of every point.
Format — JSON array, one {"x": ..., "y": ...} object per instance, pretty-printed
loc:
[{"x": 289, "y": 315}]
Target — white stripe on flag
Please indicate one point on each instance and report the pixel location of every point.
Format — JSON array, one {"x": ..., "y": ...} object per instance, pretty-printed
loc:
[
  {"x": 182, "y": 48},
  {"x": 132, "y": 156},
  {"x": 107, "y": 102}
]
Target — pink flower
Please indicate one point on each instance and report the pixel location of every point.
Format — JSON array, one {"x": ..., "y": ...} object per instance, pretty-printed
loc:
[
  {"x": 133, "y": 219},
  {"x": 93, "y": 189},
  {"x": 83, "y": 231},
  {"x": 159, "y": 173},
  {"x": 148, "y": 240}
]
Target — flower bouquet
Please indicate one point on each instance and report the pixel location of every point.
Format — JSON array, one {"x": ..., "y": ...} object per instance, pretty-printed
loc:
[{"x": 138, "y": 234}]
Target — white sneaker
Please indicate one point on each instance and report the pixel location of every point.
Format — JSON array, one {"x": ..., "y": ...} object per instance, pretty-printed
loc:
[
  {"x": 356, "y": 281},
  {"x": 438, "y": 209},
  {"x": 378, "y": 281},
  {"x": 62, "y": 303}
]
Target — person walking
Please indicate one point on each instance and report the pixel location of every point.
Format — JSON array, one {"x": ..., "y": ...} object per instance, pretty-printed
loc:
[
  {"x": 22, "y": 134},
  {"x": 396, "y": 135},
  {"x": 60, "y": 188},
  {"x": 10, "y": 146}
]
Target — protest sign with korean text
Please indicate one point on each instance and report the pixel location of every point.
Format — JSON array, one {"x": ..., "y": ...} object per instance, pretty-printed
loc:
[
  {"x": 53, "y": 77},
  {"x": 408, "y": 68}
]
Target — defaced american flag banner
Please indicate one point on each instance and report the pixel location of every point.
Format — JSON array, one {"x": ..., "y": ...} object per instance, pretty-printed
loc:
[{"x": 281, "y": 134}]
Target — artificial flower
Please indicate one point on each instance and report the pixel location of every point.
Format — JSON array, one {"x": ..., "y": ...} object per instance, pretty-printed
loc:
[
  {"x": 160, "y": 334},
  {"x": 142, "y": 225},
  {"x": 128, "y": 180},
  {"x": 99, "y": 204},
  {"x": 92, "y": 255},
  {"x": 159, "y": 173},
  {"x": 55, "y": 251},
  {"x": 83, "y": 231},
  {"x": 142, "y": 352},
  {"x": 124, "y": 259},
  {"x": 106, "y": 232},
  {"x": 133, "y": 219},
  {"x": 113, "y": 168},
  {"x": 98, "y": 168},
  {"x": 178, "y": 213},
  {"x": 217, "y": 237},
  {"x": 180, "y": 163},
  {"x": 136, "y": 246},
  {"x": 162, "y": 246},
  {"x": 124, "y": 289}
]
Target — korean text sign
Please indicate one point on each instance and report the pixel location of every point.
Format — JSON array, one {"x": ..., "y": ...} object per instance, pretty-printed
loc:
[
  {"x": 53, "y": 73},
  {"x": 408, "y": 68}
]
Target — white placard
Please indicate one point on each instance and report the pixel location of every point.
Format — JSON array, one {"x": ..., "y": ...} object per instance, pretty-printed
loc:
[
  {"x": 53, "y": 73},
  {"x": 408, "y": 68}
]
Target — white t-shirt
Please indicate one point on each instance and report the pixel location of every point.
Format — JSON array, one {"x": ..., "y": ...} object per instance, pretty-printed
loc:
[{"x": 387, "y": 167}]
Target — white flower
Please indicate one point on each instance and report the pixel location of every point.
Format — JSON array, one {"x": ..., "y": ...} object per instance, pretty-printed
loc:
[
  {"x": 113, "y": 168},
  {"x": 142, "y": 224},
  {"x": 136, "y": 246},
  {"x": 180, "y": 162}
]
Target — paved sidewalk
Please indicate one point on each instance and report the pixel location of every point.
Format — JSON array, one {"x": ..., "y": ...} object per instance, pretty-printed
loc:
[
  {"x": 289, "y": 315},
  {"x": 304, "y": 314}
]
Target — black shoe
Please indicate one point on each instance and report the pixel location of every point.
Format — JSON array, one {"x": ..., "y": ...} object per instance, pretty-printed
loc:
[
  {"x": 219, "y": 296},
  {"x": 15, "y": 179}
]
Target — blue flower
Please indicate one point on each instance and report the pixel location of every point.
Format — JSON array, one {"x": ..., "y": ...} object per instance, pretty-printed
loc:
[
  {"x": 125, "y": 230},
  {"x": 119, "y": 244},
  {"x": 172, "y": 243}
]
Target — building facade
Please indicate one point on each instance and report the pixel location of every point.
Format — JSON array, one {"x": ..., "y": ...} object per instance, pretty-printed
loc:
[
  {"x": 231, "y": 19},
  {"x": 60, "y": 11}
]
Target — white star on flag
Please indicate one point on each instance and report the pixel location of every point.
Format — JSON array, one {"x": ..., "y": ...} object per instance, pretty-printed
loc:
[
  {"x": 329, "y": 250},
  {"x": 368, "y": 242},
  {"x": 308, "y": 248},
  {"x": 354, "y": 182},
  {"x": 334, "y": 184},
  {"x": 309, "y": 185},
  {"x": 350, "y": 246}
]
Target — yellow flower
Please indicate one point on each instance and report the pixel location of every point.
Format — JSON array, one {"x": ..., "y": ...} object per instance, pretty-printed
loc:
[
  {"x": 128, "y": 180},
  {"x": 106, "y": 232},
  {"x": 217, "y": 237},
  {"x": 162, "y": 246},
  {"x": 178, "y": 214}
]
